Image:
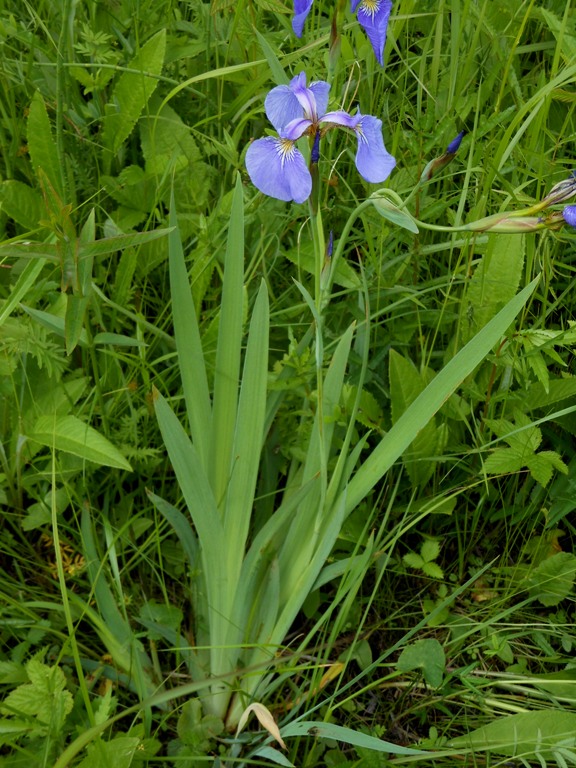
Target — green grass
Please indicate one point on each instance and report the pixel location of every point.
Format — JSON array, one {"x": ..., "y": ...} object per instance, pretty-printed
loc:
[{"x": 234, "y": 473}]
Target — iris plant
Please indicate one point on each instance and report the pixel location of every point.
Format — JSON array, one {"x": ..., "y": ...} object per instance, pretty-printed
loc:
[
  {"x": 279, "y": 169},
  {"x": 372, "y": 16}
]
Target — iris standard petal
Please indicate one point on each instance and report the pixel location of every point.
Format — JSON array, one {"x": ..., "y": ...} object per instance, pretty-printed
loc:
[
  {"x": 305, "y": 96},
  {"x": 354, "y": 5},
  {"x": 373, "y": 17},
  {"x": 282, "y": 106},
  {"x": 374, "y": 163},
  {"x": 278, "y": 169},
  {"x": 301, "y": 11},
  {"x": 320, "y": 89}
]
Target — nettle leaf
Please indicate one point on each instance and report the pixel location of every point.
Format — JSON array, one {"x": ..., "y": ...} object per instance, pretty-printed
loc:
[
  {"x": 427, "y": 655},
  {"x": 41, "y": 144},
  {"x": 406, "y": 384},
  {"x": 553, "y": 580},
  {"x": 494, "y": 282},
  {"x": 523, "y": 439},
  {"x": 132, "y": 92},
  {"x": 543, "y": 464},
  {"x": 537, "y": 396},
  {"x": 196, "y": 731},
  {"x": 369, "y": 411},
  {"x": 21, "y": 203},
  {"x": 119, "y": 752},
  {"x": 504, "y": 461},
  {"x": 44, "y": 697},
  {"x": 105, "y": 707}
]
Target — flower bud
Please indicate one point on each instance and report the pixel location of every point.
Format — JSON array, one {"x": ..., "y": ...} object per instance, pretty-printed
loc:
[
  {"x": 507, "y": 222},
  {"x": 439, "y": 162},
  {"x": 562, "y": 191},
  {"x": 454, "y": 145}
]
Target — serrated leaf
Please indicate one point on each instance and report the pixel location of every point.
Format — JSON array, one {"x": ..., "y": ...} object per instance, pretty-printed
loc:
[
  {"x": 556, "y": 461},
  {"x": 412, "y": 560},
  {"x": 430, "y": 549},
  {"x": 105, "y": 707},
  {"x": 552, "y": 581},
  {"x": 427, "y": 655},
  {"x": 406, "y": 384},
  {"x": 164, "y": 137},
  {"x": 217, "y": 6},
  {"x": 540, "y": 468},
  {"x": 562, "y": 34},
  {"x": 196, "y": 731},
  {"x": 44, "y": 698},
  {"x": 558, "y": 389},
  {"x": 119, "y": 752},
  {"x": 41, "y": 144},
  {"x": 433, "y": 570},
  {"x": 69, "y": 434},
  {"x": 21, "y": 203},
  {"x": 538, "y": 365},
  {"x": 133, "y": 90},
  {"x": 494, "y": 282},
  {"x": 274, "y": 6},
  {"x": 503, "y": 461}
]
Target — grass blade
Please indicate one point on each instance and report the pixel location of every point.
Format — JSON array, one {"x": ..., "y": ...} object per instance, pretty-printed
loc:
[{"x": 397, "y": 440}]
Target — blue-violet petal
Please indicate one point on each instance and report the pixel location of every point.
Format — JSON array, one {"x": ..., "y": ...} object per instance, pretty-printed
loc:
[
  {"x": 373, "y": 17},
  {"x": 301, "y": 11},
  {"x": 278, "y": 169}
]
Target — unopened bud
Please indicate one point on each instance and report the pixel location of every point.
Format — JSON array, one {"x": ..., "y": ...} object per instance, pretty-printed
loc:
[
  {"x": 507, "y": 222},
  {"x": 440, "y": 162},
  {"x": 315, "y": 151},
  {"x": 330, "y": 245},
  {"x": 454, "y": 145},
  {"x": 562, "y": 191}
]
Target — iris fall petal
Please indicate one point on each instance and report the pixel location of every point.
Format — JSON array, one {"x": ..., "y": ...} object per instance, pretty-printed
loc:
[
  {"x": 373, "y": 17},
  {"x": 278, "y": 169},
  {"x": 301, "y": 11}
]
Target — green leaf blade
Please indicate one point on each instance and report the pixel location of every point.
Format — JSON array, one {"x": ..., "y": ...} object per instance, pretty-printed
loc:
[
  {"x": 133, "y": 90},
  {"x": 71, "y": 435}
]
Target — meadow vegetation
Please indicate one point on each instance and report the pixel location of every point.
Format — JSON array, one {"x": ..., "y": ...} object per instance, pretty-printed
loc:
[{"x": 283, "y": 482}]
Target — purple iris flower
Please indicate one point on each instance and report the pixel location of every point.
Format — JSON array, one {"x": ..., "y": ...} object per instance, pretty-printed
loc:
[
  {"x": 278, "y": 168},
  {"x": 373, "y": 17},
  {"x": 301, "y": 11}
]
